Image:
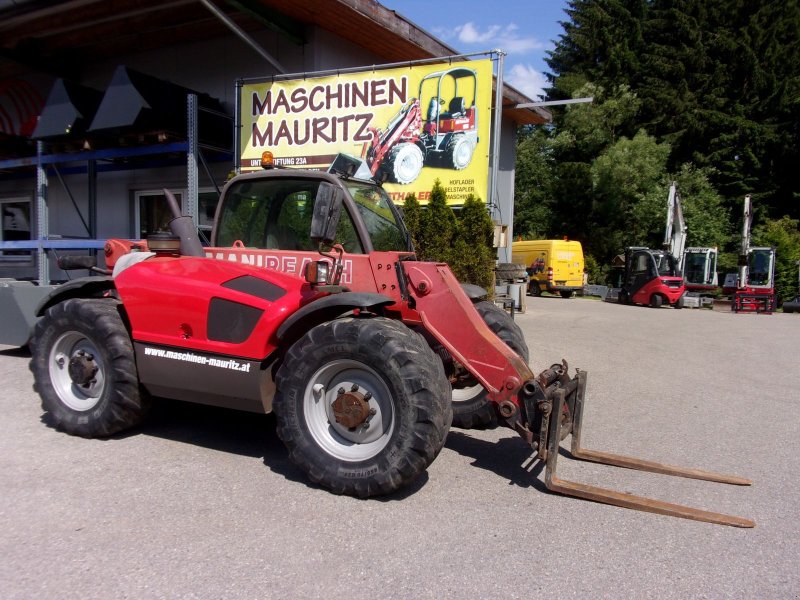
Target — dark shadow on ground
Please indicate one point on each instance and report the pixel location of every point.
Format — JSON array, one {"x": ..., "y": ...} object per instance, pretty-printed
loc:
[
  {"x": 16, "y": 352},
  {"x": 232, "y": 431},
  {"x": 510, "y": 458},
  {"x": 254, "y": 435}
]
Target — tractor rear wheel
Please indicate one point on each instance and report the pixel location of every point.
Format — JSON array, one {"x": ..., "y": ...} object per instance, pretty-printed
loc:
[
  {"x": 404, "y": 163},
  {"x": 363, "y": 405},
  {"x": 459, "y": 152},
  {"x": 84, "y": 369},
  {"x": 471, "y": 407}
]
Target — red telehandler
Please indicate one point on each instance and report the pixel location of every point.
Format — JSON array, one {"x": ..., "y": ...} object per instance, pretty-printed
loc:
[{"x": 314, "y": 307}]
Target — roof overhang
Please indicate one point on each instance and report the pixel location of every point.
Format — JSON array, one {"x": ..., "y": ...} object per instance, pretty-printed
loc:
[{"x": 58, "y": 37}]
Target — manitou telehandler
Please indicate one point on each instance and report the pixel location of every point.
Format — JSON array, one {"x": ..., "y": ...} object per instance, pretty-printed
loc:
[{"x": 313, "y": 306}]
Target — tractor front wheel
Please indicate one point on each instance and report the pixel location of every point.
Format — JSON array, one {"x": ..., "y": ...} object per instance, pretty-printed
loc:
[
  {"x": 471, "y": 407},
  {"x": 363, "y": 405},
  {"x": 459, "y": 152},
  {"x": 404, "y": 163},
  {"x": 84, "y": 369}
]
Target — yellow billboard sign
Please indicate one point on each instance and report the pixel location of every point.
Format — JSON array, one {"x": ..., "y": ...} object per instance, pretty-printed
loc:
[{"x": 406, "y": 126}]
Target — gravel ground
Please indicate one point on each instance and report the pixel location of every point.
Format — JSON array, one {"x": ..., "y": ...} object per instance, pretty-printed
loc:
[{"x": 203, "y": 503}]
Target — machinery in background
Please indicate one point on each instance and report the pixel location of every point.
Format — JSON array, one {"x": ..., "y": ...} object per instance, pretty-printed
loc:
[
  {"x": 699, "y": 268},
  {"x": 653, "y": 276},
  {"x": 755, "y": 282}
]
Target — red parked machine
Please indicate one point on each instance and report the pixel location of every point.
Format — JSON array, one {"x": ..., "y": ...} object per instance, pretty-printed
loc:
[
  {"x": 652, "y": 276},
  {"x": 755, "y": 286}
]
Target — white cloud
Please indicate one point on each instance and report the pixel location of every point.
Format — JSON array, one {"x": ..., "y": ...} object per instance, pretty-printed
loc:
[
  {"x": 503, "y": 37},
  {"x": 527, "y": 80},
  {"x": 469, "y": 34}
]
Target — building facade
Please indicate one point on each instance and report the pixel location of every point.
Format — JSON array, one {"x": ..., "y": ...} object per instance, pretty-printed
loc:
[{"x": 103, "y": 105}]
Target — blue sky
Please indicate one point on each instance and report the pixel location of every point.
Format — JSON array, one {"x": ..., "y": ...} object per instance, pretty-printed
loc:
[{"x": 524, "y": 29}]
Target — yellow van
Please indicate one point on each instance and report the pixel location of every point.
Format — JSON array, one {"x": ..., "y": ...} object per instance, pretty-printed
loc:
[{"x": 554, "y": 266}]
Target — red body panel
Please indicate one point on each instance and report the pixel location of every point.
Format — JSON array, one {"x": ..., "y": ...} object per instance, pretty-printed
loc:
[
  {"x": 357, "y": 273},
  {"x": 656, "y": 286},
  {"x": 167, "y": 301},
  {"x": 465, "y": 123}
]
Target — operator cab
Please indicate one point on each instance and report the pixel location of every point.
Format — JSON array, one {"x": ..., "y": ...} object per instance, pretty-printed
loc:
[{"x": 273, "y": 210}]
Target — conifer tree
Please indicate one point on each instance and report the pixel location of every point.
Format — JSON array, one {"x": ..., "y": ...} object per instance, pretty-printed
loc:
[
  {"x": 412, "y": 215},
  {"x": 437, "y": 226},
  {"x": 472, "y": 256}
]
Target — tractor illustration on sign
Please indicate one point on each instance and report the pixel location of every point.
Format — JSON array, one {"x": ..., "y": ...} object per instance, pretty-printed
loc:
[{"x": 445, "y": 136}]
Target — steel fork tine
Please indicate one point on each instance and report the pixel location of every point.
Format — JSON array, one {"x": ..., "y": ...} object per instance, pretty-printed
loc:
[{"x": 613, "y": 497}]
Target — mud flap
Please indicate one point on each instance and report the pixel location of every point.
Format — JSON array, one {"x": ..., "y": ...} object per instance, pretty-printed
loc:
[{"x": 625, "y": 500}]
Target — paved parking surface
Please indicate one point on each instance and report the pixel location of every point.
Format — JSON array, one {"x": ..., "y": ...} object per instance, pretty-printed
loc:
[{"x": 203, "y": 503}]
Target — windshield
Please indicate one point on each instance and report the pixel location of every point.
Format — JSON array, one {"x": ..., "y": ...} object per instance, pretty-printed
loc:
[
  {"x": 386, "y": 230},
  {"x": 275, "y": 214},
  {"x": 759, "y": 267},
  {"x": 664, "y": 262},
  {"x": 695, "y": 267}
]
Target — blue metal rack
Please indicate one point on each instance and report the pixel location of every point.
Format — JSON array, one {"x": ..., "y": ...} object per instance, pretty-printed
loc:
[{"x": 46, "y": 165}]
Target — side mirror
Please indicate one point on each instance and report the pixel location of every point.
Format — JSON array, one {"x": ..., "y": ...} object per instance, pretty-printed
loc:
[{"x": 327, "y": 210}]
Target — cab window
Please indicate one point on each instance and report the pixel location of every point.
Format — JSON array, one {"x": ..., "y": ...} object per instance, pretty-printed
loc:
[
  {"x": 276, "y": 215},
  {"x": 385, "y": 229}
]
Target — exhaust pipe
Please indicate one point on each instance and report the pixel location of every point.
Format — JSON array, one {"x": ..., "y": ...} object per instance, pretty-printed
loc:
[{"x": 183, "y": 228}]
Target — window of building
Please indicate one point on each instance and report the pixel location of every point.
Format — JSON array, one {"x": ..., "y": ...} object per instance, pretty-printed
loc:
[
  {"x": 17, "y": 222},
  {"x": 152, "y": 213}
]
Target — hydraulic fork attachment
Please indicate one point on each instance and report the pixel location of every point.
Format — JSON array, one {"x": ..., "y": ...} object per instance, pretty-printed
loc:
[{"x": 598, "y": 494}]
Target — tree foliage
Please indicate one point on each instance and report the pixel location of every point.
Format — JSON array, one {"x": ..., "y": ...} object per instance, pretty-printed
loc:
[
  {"x": 464, "y": 242},
  {"x": 784, "y": 235},
  {"x": 703, "y": 92},
  {"x": 412, "y": 217},
  {"x": 472, "y": 256}
]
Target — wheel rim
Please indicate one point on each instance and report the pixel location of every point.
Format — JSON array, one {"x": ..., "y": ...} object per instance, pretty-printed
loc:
[
  {"x": 329, "y": 383},
  {"x": 76, "y": 371},
  {"x": 465, "y": 388},
  {"x": 462, "y": 154},
  {"x": 408, "y": 164}
]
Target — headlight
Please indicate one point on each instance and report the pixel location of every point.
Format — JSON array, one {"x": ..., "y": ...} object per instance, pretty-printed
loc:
[{"x": 317, "y": 272}]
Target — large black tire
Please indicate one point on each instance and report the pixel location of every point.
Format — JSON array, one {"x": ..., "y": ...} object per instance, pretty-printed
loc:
[
  {"x": 395, "y": 373},
  {"x": 471, "y": 407},
  {"x": 84, "y": 369},
  {"x": 566, "y": 294},
  {"x": 508, "y": 271},
  {"x": 656, "y": 301}
]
